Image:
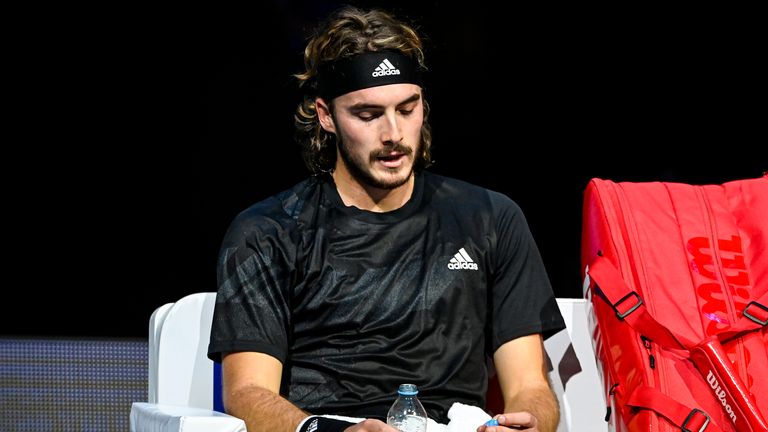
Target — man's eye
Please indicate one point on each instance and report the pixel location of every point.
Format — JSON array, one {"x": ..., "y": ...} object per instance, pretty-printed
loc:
[
  {"x": 367, "y": 116},
  {"x": 406, "y": 112}
]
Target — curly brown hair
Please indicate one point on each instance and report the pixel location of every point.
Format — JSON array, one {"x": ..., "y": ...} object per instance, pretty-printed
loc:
[{"x": 347, "y": 32}]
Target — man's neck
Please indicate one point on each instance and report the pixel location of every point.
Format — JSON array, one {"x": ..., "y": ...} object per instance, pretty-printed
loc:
[{"x": 356, "y": 194}]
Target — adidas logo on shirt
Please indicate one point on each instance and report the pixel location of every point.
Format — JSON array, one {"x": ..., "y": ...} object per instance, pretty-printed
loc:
[
  {"x": 386, "y": 68},
  {"x": 462, "y": 261}
]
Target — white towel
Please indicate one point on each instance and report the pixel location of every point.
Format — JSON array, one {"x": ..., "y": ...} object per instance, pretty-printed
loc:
[
  {"x": 433, "y": 426},
  {"x": 465, "y": 418}
]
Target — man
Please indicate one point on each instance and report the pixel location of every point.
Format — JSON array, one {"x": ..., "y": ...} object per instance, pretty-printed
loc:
[{"x": 375, "y": 272}]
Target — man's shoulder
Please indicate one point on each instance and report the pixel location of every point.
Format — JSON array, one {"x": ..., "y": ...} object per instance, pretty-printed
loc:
[
  {"x": 449, "y": 185},
  {"x": 279, "y": 209},
  {"x": 464, "y": 191}
]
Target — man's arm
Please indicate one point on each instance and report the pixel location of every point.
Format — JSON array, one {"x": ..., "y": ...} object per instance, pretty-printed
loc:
[
  {"x": 251, "y": 391},
  {"x": 521, "y": 369}
]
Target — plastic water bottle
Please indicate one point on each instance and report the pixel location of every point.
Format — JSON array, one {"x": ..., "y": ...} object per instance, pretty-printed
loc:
[{"x": 407, "y": 414}]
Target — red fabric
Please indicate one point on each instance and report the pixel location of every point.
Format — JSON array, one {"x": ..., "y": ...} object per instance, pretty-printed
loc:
[
  {"x": 675, "y": 412},
  {"x": 696, "y": 256},
  {"x": 713, "y": 364}
]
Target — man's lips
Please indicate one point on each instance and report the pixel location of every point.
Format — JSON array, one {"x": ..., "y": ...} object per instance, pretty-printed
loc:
[{"x": 391, "y": 160}]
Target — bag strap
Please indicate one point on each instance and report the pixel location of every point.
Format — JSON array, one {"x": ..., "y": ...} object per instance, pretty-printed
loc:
[
  {"x": 686, "y": 418},
  {"x": 708, "y": 356},
  {"x": 629, "y": 306},
  {"x": 753, "y": 317}
]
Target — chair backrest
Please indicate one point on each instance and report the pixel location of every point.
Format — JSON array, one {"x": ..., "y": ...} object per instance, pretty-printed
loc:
[
  {"x": 181, "y": 373},
  {"x": 574, "y": 375}
]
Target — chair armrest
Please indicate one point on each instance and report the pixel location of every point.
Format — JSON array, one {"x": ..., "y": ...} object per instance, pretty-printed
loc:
[{"x": 150, "y": 417}]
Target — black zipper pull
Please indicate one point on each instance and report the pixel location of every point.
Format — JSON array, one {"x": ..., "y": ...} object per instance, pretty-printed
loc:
[{"x": 647, "y": 345}]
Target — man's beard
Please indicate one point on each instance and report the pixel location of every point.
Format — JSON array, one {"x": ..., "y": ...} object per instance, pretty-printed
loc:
[{"x": 359, "y": 169}]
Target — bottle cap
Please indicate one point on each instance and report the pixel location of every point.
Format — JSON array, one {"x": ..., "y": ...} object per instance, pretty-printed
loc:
[
  {"x": 408, "y": 390},
  {"x": 492, "y": 422}
]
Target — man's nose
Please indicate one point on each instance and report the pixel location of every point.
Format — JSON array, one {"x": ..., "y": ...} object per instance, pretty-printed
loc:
[{"x": 391, "y": 130}]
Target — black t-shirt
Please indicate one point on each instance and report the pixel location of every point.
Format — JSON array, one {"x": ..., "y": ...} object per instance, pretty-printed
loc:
[{"x": 354, "y": 303}]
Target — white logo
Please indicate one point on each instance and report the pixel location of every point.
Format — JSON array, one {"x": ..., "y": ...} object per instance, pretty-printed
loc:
[
  {"x": 462, "y": 261},
  {"x": 720, "y": 393},
  {"x": 312, "y": 426},
  {"x": 386, "y": 68}
]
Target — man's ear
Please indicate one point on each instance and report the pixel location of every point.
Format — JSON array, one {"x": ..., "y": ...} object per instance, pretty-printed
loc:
[{"x": 324, "y": 116}]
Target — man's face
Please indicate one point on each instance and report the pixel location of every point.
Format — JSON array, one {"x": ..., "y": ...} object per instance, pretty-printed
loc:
[{"x": 380, "y": 133}]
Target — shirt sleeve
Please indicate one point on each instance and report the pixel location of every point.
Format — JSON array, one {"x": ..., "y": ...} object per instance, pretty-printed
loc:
[
  {"x": 252, "y": 311},
  {"x": 522, "y": 298}
]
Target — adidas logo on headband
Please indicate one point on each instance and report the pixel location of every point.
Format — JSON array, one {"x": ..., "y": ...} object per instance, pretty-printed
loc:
[
  {"x": 364, "y": 70},
  {"x": 385, "y": 68}
]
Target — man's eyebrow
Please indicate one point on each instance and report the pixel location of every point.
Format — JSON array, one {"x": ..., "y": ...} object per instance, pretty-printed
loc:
[{"x": 364, "y": 106}]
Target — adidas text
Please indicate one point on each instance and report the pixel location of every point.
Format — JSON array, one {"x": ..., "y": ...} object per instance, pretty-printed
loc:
[
  {"x": 386, "y": 72},
  {"x": 460, "y": 266},
  {"x": 462, "y": 261}
]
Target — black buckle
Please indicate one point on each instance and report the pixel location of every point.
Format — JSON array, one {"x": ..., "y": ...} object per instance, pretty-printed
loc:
[
  {"x": 754, "y": 318},
  {"x": 690, "y": 416},
  {"x": 632, "y": 309}
]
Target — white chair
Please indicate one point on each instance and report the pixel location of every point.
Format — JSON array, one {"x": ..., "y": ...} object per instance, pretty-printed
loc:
[
  {"x": 575, "y": 377},
  {"x": 183, "y": 381},
  {"x": 181, "y": 377}
]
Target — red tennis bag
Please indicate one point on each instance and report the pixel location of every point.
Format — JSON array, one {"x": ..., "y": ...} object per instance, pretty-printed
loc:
[{"x": 677, "y": 277}]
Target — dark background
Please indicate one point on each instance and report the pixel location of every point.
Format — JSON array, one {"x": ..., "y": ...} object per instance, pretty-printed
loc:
[{"x": 141, "y": 134}]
